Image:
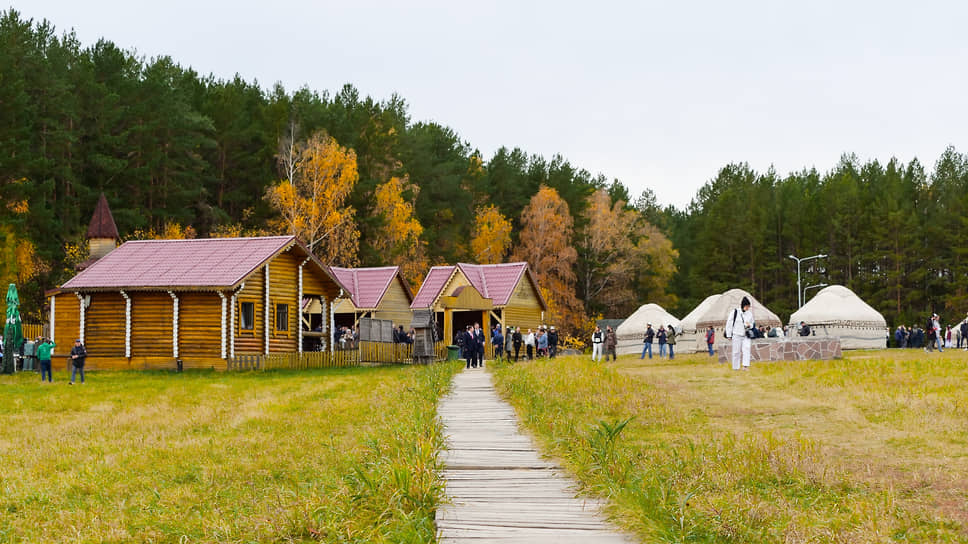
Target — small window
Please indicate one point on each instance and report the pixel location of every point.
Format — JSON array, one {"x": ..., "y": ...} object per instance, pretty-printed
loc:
[
  {"x": 282, "y": 317},
  {"x": 247, "y": 316}
]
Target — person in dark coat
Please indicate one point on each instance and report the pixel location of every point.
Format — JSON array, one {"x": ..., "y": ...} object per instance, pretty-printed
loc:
[
  {"x": 647, "y": 341},
  {"x": 78, "y": 356},
  {"x": 468, "y": 347},
  {"x": 517, "y": 340},
  {"x": 497, "y": 339},
  {"x": 610, "y": 343},
  {"x": 480, "y": 340},
  {"x": 552, "y": 342}
]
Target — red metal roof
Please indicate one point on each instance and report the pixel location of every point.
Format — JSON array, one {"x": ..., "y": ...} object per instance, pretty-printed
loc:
[
  {"x": 102, "y": 222},
  {"x": 431, "y": 286},
  {"x": 494, "y": 281},
  {"x": 209, "y": 262},
  {"x": 367, "y": 286}
]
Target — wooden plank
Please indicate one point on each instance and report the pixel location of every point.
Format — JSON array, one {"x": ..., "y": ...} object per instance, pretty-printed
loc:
[{"x": 499, "y": 488}]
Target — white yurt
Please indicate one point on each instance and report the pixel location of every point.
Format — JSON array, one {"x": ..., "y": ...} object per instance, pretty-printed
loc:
[
  {"x": 838, "y": 311},
  {"x": 718, "y": 311},
  {"x": 631, "y": 332},
  {"x": 692, "y": 340}
]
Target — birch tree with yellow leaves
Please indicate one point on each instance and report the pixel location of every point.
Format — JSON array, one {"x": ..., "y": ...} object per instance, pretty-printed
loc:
[
  {"x": 312, "y": 202},
  {"x": 491, "y": 236},
  {"x": 398, "y": 238}
]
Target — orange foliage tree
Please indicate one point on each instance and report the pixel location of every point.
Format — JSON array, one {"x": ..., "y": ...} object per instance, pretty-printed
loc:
[
  {"x": 398, "y": 238},
  {"x": 312, "y": 201},
  {"x": 491, "y": 237},
  {"x": 546, "y": 244}
]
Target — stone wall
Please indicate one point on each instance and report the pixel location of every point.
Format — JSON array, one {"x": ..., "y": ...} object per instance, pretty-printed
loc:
[{"x": 786, "y": 349}]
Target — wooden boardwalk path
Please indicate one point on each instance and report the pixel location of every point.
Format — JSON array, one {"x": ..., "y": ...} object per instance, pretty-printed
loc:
[{"x": 500, "y": 489}]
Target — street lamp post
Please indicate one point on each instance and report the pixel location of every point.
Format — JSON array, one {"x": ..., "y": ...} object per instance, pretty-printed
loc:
[
  {"x": 807, "y": 288},
  {"x": 798, "y": 260}
]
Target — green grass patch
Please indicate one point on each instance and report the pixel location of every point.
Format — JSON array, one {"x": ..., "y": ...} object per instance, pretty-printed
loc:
[
  {"x": 866, "y": 449},
  {"x": 340, "y": 455}
]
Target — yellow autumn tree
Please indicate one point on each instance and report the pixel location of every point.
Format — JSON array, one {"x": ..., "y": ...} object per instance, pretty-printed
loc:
[
  {"x": 18, "y": 258},
  {"x": 608, "y": 256},
  {"x": 491, "y": 235},
  {"x": 312, "y": 202},
  {"x": 19, "y": 262},
  {"x": 397, "y": 239},
  {"x": 546, "y": 244},
  {"x": 656, "y": 264},
  {"x": 172, "y": 230}
]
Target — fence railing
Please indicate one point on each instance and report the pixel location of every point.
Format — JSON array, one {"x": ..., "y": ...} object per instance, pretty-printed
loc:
[
  {"x": 32, "y": 330},
  {"x": 365, "y": 352}
]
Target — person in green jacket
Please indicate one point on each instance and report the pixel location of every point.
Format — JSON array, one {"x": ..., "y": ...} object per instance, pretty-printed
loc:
[{"x": 43, "y": 355}]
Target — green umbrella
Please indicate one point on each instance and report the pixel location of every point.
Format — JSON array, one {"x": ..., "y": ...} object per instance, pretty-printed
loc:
[{"x": 13, "y": 335}]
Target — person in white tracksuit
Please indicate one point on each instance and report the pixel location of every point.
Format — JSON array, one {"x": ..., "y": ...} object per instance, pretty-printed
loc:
[{"x": 738, "y": 322}]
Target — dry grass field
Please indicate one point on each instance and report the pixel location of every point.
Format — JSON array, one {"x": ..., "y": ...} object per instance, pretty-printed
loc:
[
  {"x": 346, "y": 455},
  {"x": 871, "y": 448}
]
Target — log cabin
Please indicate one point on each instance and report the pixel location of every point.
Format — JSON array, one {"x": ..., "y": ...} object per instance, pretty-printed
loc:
[
  {"x": 377, "y": 293},
  {"x": 164, "y": 304},
  {"x": 489, "y": 294}
]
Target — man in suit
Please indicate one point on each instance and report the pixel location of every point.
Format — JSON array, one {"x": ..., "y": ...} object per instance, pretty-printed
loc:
[{"x": 479, "y": 341}]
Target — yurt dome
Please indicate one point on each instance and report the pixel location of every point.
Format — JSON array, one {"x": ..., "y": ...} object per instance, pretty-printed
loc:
[
  {"x": 632, "y": 330},
  {"x": 838, "y": 311},
  {"x": 693, "y": 340},
  {"x": 718, "y": 311}
]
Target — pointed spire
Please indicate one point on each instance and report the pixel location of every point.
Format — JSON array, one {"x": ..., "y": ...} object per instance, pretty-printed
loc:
[{"x": 102, "y": 224}]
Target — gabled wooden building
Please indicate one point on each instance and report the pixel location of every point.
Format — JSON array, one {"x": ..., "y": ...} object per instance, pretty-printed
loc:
[
  {"x": 151, "y": 303},
  {"x": 489, "y": 294},
  {"x": 377, "y": 293}
]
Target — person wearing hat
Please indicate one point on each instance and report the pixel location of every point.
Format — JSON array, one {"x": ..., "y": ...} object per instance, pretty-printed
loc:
[
  {"x": 44, "y": 348},
  {"x": 647, "y": 341},
  {"x": 739, "y": 325},
  {"x": 78, "y": 356}
]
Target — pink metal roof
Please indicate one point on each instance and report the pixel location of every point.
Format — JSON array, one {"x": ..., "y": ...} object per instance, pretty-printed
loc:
[
  {"x": 367, "y": 285},
  {"x": 494, "y": 281},
  {"x": 431, "y": 286},
  {"x": 209, "y": 262}
]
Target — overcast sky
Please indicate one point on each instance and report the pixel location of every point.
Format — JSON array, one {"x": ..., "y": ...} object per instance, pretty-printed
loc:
[{"x": 655, "y": 94}]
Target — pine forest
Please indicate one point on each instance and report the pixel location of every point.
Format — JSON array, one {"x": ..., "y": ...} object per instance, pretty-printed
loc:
[{"x": 180, "y": 154}]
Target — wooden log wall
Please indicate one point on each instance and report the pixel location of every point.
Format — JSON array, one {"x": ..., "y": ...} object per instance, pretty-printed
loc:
[
  {"x": 251, "y": 341},
  {"x": 104, "y": 326},
  {"x": 151, "y": 324},
  {"x": 67, "y": 320},
  {"x": 199, "y": 328},
  {"x": 284, "y": 289}
]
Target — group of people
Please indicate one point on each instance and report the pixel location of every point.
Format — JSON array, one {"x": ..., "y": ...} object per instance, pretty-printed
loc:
[
  {"x": 543, "y": 343},
  {"x": 346, "y": 337},
  {"x": 933, "y": 335},
  {"x": 606, "y": 339},
  {"x": 402, "y": 337},
  {"x": 665, "y": 337},
  {"x": 42, "y": 349},
  {"x": 540, "y": 343}
]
